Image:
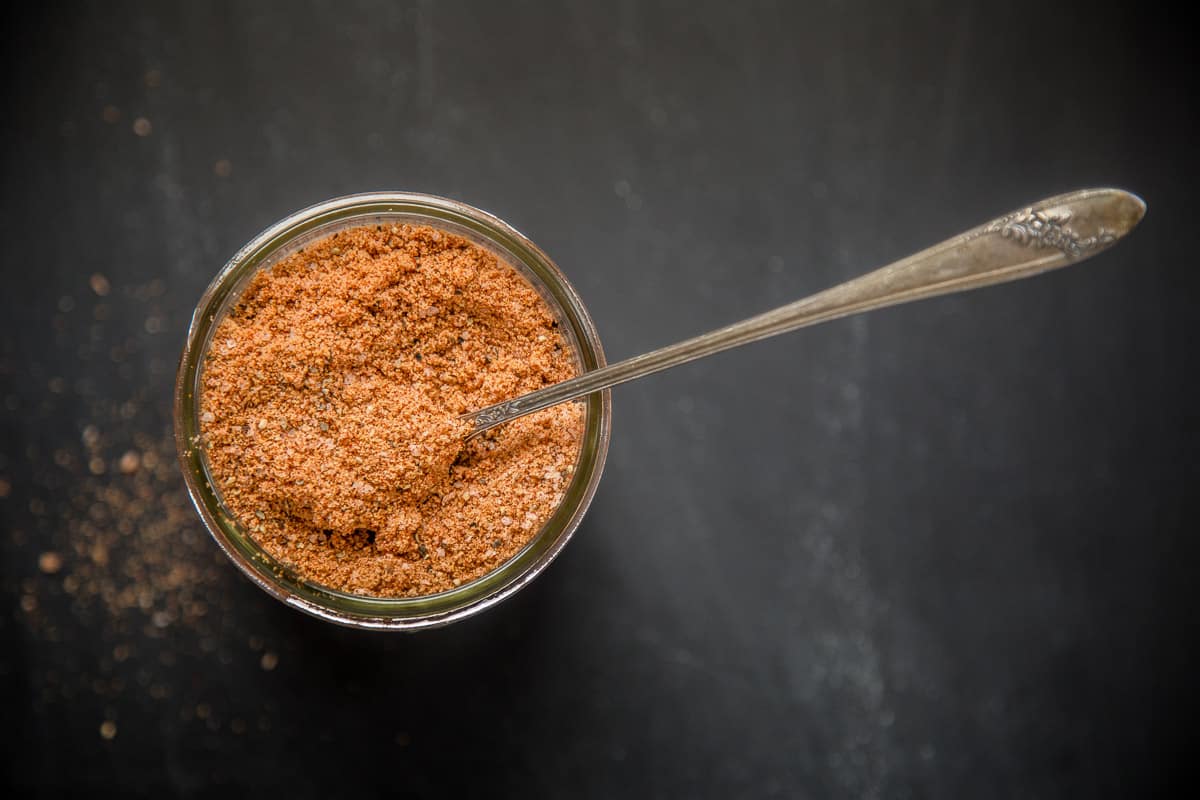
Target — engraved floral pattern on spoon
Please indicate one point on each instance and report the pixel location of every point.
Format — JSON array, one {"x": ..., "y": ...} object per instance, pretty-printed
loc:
[{"x": 1040, "y": 228}]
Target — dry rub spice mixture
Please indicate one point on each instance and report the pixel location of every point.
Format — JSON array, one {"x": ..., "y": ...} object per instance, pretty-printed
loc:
[{"x": 330, "y": 402}]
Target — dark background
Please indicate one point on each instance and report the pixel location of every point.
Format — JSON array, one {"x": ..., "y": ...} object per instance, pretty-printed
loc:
[{"x": 938, "y": 551}]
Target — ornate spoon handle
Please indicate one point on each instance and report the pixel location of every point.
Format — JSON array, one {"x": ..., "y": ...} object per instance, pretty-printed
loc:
[{"x": 1046, "y": 235}]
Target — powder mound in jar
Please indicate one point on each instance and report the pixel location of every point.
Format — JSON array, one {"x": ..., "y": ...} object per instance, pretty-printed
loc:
[{"x": 330, "y": 401}]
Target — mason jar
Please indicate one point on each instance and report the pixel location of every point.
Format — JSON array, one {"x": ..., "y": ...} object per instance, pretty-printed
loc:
[{"x": 280, "y": 580}]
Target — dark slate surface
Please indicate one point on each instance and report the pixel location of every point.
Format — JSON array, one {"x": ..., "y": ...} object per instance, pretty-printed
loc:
[{"x": 940, "y": 551}]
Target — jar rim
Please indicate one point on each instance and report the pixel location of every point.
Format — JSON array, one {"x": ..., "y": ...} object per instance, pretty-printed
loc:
[{"x": 364, "y": 611}]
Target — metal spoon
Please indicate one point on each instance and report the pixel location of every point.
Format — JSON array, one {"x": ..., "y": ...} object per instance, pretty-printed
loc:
[{"x": 1046, "y": 235}]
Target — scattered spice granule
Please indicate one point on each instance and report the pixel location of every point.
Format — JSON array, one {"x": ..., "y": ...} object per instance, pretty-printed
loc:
[
  {"x": 129, "y": 462},
  {"x": 269, "y": 661},
  {"x": 90, "y": 436},
  {"x": 330, "y": 405},
  {"x": 50, "y": 562},
  {"x": 142, "y": 126},
  {"x": 223, "y": 168},
  {"x": 100, "y": 285},
  {"x": 108, "y": 729}
]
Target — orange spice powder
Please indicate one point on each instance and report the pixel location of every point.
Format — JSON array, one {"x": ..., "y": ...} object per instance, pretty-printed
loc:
[{"x": 330, "y": 402}]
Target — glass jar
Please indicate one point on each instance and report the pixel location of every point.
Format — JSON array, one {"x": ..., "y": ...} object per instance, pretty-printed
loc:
[{"x": 276, "y": 578}]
